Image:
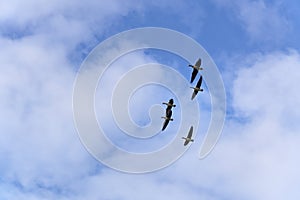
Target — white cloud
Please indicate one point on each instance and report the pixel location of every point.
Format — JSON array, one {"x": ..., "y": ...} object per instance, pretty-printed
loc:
[
  {"x": 268, "y": 87},
  {"x": 42, "y": 153},
  {"x": 68, "y": 25},
  {"x": 38, "y": 139},
  {"x": 42, "y": 158},
  {"x": 253, "y": 160},
  {"x": 262, "y": 21},
  {"x": 257, "y": 159},
  {"x": 32, "y": 11}
]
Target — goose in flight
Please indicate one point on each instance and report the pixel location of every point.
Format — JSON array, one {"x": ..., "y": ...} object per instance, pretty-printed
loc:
[
  {"x": 167, "y": 118},
  {"x": 189, "y": 137},
  {"x": 197, "y": 88},
  {"x": 196, "y": 68},
  {"x": 170, "y": 104}
]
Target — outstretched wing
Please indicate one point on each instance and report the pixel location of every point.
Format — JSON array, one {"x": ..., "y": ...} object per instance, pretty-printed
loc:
[
  {"x": 189, "y": 136},
  {"x": 198, "y": 63},
  {"x": 194, "y": 94},
  {"x": 165, "y": 124},
  {"x": 168, "y": 115},
  {"x": 194, "y": 74},
  {"x": 186, "y": 142},
  {"x": 190, "y": 132},
  {"x": 199, "y": 82}
]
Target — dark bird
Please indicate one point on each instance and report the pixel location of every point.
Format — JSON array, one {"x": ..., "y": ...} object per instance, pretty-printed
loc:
[
  {"x": 170, "y": 104},
  {"x": 197, "y": 88},
  {"x": 196, "y": 68},
  {"x": 167, "y": 118},
  {"x": 189, "y": 137}
]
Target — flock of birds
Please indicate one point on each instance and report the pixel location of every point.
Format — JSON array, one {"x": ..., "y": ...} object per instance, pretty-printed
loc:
[{"x": 170, "y": 104}]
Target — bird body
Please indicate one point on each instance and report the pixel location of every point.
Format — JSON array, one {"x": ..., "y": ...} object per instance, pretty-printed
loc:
[{"x": 170, "y": 104}]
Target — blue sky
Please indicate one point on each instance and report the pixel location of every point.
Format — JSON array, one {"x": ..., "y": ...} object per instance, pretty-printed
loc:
[{"x": 255, "y": 45}]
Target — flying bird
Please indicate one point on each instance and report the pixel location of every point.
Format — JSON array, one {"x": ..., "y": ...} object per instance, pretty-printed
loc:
[
  {"x": 197, "y": 88},
  {"x": 170, "y": 104},
  {"x": 189, "y": 137},
  {"x": 196, "y": 68},
  {"x": 167, "y": 118}
]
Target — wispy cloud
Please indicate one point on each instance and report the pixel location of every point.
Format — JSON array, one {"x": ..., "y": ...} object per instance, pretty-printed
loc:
[
  {"x": 42, "y": 157},
  {"x": 261, "y": 20}
]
